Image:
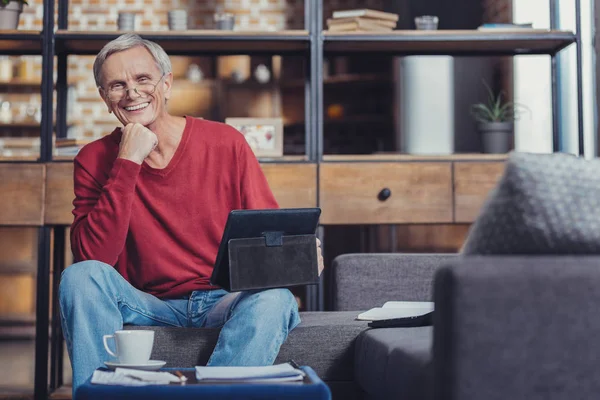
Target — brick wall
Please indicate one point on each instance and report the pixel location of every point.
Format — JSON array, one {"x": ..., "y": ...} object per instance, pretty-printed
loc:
[{"x": 87, "y": 113}]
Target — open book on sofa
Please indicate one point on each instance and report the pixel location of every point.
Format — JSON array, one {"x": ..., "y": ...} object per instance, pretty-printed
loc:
[{"x": 397, "y": 309}]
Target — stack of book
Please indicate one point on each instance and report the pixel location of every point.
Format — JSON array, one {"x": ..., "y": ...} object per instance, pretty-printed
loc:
[{"x": 362, "y": 20}]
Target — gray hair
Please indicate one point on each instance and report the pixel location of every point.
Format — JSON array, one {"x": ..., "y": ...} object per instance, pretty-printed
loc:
[{"x": 126, "y": 42}]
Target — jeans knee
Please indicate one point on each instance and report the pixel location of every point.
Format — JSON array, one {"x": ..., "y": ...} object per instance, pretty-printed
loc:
[
  {"x": 78, "y": 278},
  {"x": 277, "y": 301}
]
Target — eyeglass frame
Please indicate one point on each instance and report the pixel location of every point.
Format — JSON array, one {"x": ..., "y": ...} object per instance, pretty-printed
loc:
[{"x": 135, "y": 89}]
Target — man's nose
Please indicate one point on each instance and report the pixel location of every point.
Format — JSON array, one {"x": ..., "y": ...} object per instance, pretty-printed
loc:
[{"x": 133, "y": 89}]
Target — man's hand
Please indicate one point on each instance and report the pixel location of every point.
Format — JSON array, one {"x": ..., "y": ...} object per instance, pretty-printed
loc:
[
  {"x": 320, "y": 257},
  {"x": 136, "y": 143}
]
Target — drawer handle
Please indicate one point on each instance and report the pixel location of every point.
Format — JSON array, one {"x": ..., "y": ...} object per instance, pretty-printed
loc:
[{"x": 384, "y": 194}]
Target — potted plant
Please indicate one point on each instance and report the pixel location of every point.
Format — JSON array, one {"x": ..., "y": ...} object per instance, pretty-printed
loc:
[
  {"x": 496, "y": 122},
  {"x": 10, "y": 11}
]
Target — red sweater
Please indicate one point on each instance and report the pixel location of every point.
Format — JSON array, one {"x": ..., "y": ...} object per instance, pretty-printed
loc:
[{"x": 161, "y": 228}]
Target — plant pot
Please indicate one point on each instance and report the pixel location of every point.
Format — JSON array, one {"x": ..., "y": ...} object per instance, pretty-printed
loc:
[
  {"x": 9, "y": 15},
  {"x": 496, "y": 137}
]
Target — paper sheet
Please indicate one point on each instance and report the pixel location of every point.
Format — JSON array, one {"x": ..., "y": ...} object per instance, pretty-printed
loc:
[
  {"x": 272, "y": 373},
  {"x": 132, "y": 377}
]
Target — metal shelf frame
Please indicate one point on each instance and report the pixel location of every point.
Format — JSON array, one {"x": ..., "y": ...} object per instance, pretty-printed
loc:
[{"x": 314, "y": 46}]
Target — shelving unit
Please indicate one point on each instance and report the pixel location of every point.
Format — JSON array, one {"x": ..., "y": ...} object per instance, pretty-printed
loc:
[
  {"x": 21, "y": 43},
  {"x": 192, "y": 42},
  {"x": 451, "y": 42},
  {"x": 449, "y": 187}
]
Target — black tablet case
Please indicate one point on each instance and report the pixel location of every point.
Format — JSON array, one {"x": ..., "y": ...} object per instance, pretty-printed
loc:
[{"x": 273, "y": 258}]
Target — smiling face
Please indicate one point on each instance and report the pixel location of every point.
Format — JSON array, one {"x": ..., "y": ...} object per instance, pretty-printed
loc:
[{"x": 129, "y": 69}]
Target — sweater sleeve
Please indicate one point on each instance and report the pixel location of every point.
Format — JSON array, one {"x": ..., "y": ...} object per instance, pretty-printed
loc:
[
  {"x": 256, "y": 193},
  {"x": 102, "y": 212}
]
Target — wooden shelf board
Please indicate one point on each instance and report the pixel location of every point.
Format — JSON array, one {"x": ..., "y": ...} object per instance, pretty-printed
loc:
[
  {"x": 17, "y": 267},
  {"x": 350, "y": 119},
  {"x": 19, "y": 125},
  {"x": 30, "y": 83},
  {"x": 192, "y": 41},
  {"x": 450, "y": 42},
  {"x": 413, "y": 157},
  {"x": 20, "y": 42},
  {"x": 17, "y": 319},
  {"x": 19, "y": 158},
  {"x": 340, "y": 79}
]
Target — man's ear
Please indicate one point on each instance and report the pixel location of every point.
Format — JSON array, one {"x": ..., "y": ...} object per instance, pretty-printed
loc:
[
  {"x": 168, "y": 85},
  {"x": 105, "y": 99}
]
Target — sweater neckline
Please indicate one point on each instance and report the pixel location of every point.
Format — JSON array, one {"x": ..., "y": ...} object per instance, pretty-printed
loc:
[{"x": 178, "y": 152}]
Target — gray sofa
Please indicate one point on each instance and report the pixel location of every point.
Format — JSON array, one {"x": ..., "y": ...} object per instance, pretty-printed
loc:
[
  {"x": 351, "y": 358},
  {"x": 509, "y": 327}
]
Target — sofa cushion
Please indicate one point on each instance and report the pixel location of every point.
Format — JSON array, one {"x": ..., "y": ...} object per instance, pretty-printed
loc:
[
  {"x": 543, "y": 204},
  {"x": 323, "y": 340},
  {"x": 395, "y": 363},
  {"x": 363, "y": 281}
]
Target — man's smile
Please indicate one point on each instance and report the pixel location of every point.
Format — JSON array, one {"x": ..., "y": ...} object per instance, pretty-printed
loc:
[{"x": 137, "y": 106}]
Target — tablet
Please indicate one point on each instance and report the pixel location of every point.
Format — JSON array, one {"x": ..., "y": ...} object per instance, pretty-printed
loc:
[{"x": 243, "y": 224}]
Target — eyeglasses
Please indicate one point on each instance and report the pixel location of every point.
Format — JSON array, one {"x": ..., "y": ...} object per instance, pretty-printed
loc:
[{"x": 142, "y": 90}]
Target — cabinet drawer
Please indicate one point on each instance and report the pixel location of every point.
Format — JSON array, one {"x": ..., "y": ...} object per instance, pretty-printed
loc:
[
  {"x": 22, "y": 189},
  {"x": 294, "y": 185},
  {"x": 472, "y": 184},
  {"x": 355, "y": 193}
]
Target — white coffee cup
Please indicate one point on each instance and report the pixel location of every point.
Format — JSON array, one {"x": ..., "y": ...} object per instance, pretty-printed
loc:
[{"x": 132, "y": 347}]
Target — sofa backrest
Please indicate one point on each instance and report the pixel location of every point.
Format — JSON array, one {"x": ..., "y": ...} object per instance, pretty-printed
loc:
[
  {"x": 363, "y": 281},
  {"x": 518, "y": 328}
]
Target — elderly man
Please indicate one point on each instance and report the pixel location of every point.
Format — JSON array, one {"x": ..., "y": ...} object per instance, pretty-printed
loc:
[{"x": 151, "y": 202}]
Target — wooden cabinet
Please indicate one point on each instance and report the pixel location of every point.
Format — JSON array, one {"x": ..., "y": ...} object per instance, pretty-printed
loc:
[
  {"x": 22, "y": 194},
  {"x": 294, "y": 185},
  {"x": 21, "y": 212},
  {"x": 472, "y": 184},
  {"x": 350, "y": 192},
  {"x": 59, "y": 194},
  {"x": 386, "y": 192}
]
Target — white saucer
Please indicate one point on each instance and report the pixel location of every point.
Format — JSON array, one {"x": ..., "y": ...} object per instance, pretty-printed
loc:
[{"x": 151, "y": 365}]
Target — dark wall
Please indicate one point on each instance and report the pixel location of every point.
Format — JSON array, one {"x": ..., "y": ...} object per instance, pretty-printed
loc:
[{"x": 453, "y": 14}]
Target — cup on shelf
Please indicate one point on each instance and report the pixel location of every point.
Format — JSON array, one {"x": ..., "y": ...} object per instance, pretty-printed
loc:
[
  {"x": 426, "y": 22},
  {"x": 224, "y": 21},
  {"x": 126, "y": 21},
  {"x": 178, "y": 20}
]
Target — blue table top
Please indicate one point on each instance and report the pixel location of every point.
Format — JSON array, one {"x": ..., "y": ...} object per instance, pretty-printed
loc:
[{"x": 311, "y": 388}]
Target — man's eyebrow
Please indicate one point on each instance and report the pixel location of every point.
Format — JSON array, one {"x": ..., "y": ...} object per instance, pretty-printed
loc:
[{"x": 137, "y": 76}]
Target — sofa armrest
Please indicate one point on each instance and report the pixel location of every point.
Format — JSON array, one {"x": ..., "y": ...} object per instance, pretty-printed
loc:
[
  {"x": 523, "y": 327},
  {"x": 363, "y": 281}
]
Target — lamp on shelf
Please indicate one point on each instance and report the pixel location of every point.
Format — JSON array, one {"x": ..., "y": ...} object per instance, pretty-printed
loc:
[{"x": 10, "y": 12}]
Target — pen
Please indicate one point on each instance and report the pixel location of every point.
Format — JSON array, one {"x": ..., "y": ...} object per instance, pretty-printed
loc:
[
  {"x": 182, "y": 377},
  {"x": 293, "y": 364}
]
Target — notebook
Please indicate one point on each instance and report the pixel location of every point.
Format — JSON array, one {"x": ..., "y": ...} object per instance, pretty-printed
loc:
[{"x": 397, "y": 309}]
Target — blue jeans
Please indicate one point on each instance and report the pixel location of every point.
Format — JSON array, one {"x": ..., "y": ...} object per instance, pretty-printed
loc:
[{"x": 96, "y": 300}]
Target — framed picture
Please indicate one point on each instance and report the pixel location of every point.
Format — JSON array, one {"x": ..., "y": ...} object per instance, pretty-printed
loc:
[{"x": 264, "y": 135}]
